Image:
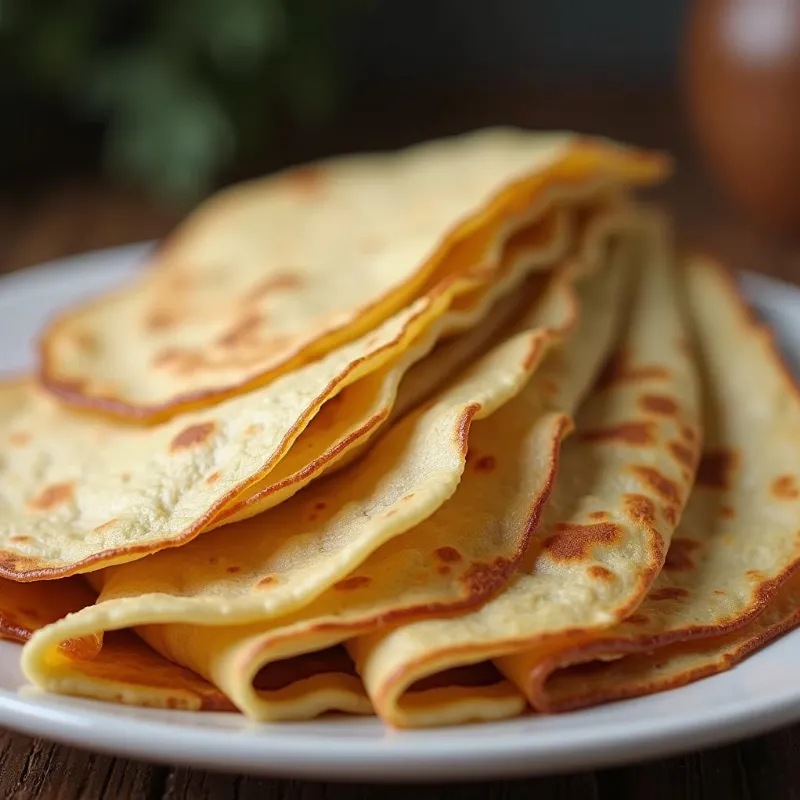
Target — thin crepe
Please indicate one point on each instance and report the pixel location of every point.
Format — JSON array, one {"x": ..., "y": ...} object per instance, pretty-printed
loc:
[
  {"x": 275, "y": 563},
  {"x": 127, "y": 671},
  {"x": 458, "y": 557},
  {"x": 344, "y": 427},
  {"x": 270, "y": 275},
  {"x": 623, "y": 481},
  {"x": 726, "y": 587},
  {"x": 80, "y": 493}
]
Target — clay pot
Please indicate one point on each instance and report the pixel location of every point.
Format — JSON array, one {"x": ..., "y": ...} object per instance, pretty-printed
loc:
[{"x": 742, "y": 77}]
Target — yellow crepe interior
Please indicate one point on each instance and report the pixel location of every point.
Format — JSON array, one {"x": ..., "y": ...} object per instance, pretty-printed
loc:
[
  {"x": 78, "y": 492},
  {"x": 272, "y": 274},
  {"x": 623, "y": 480},
  {"x": 456, "y": 558},
  {"x": 726, "y": 587},
  {"x": 282, "y": 560}
]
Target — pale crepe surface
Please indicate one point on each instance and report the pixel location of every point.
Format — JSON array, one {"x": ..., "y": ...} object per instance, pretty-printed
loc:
[
  {"x": 602, "y": 540},
  {"x": 282, "y": 560},
  {"x": 412, "y": 436},
  {"x": 737, "y": 545},
  {"x": 272, "y": 274},
  {"x": 83, "y": 492}
]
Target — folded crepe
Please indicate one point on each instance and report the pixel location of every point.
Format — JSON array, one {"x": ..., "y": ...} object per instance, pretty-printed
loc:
[
  {"x": 126, "y": 671},
  {"x": 623, "y": 480},
  {"x": 269, "y": 275},
  {"x": 333, "y": 439},
  {"x": 271, "y": 565},
  {"x": 456, "y": 552},
  {"x": 727, "y": 586},
  {"x": 80, "y": 492}
]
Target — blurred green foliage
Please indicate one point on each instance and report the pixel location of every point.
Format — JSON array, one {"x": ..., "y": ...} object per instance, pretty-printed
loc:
[{"x": 180, "y": 88}]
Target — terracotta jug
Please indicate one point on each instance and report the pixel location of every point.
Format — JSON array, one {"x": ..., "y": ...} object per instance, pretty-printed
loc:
[{"x": 742, "y": 78}]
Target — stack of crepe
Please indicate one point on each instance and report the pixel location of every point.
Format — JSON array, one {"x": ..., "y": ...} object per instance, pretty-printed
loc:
[{"x": 439, "y": 435}]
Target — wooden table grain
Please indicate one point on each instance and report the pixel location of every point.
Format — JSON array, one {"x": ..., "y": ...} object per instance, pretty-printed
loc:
[{"x": 82, "y": 214}]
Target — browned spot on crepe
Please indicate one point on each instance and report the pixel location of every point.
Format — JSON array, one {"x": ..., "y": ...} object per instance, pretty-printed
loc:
[
  {"x": 679, "y": 555},
  {"x": 276, "y": 283},
  {"x": 353, "y": 582},
  {"x": 485, "y": 464},
  {"x": 618, "y": 369},
  {"x": 448, "y": 554},
  {"x": 658, "y": 404},
  {"x": 159, "y": 319},
  {"x": 193, "y": 435},
  {"x": 51, "y": 496},
  {"x": 640, "y": 508},
  {"x": 716, "y": 469},
  {"x": 575, "y": 542},
  {"x": 305, "y": 181},
  {"x": 785, "y": 488},
  {"x": 482, "y": 578},
  {"x": 243, "y": 334},
  {"x": 632, "y": 433},
  {"x": 665, "y": 487},
  {"x": 669, "y": 593},
  {"x": 685, "y": 455}
]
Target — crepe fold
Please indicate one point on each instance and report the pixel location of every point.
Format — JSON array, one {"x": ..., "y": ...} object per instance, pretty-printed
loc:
[
  {"x": 728, "y": 585},
  {"x": 375, "y": 541},
  {"x": 461, "y": 434},
  {"x": 623, "y": 480},
  {"x": 79, "y": 492},
  {"x": 269, "y": 275},
  {"x": 725, "y": 586}
]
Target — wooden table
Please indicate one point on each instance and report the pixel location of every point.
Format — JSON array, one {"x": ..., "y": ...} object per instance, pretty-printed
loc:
[{"x": 78, "y": 215}]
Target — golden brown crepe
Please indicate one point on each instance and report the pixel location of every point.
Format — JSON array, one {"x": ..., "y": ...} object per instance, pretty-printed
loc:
[
  {"x": 458, "y": 557},
  {"x": 622, "y": 483},
  {"x": 373, "y": 371},
  {"x": 737, "y": 544},
  {"x": 270, "y": 275},
  {"x": 82, "y": 492},
  {"x": 273, "y": 564}
]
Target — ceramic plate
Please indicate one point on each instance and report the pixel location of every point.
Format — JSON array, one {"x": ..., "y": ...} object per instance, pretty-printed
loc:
[{"x": 759, "y": 694}]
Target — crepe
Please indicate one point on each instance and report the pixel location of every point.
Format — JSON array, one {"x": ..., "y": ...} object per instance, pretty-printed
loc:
[
  {"x": 458, "y": 557},
  {"x": 270, "y": 275},
  {"x": 126, "y": 671},
  {"x": 278, "y": 562},
  {"x": 80, "y": 492},
  {"x": 726, "y": 587},
  {"x": 333, "y": 439},
  {"x": 623, "y": 480}
]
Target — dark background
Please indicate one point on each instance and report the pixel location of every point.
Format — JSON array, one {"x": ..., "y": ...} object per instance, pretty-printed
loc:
[
  {"x": 461, "y": 44},
  {"x": 383, "y": 73}
]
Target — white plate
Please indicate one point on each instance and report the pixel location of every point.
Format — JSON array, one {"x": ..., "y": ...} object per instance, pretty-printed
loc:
[{"x": 759, "y": 694}]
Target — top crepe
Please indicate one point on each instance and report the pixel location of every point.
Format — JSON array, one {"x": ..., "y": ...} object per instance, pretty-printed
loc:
[{"x": 273, "y": 274}]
